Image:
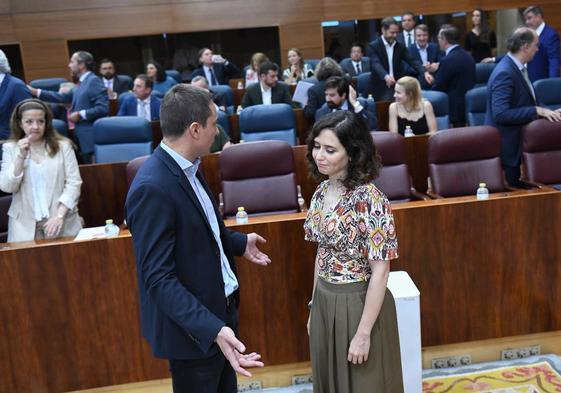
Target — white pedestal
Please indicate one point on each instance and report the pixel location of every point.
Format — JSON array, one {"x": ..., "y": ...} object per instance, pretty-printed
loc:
[{"x": 408, "y": 309}]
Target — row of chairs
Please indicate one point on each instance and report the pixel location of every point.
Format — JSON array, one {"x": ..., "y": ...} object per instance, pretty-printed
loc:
[{"x": 459, "y": 159}]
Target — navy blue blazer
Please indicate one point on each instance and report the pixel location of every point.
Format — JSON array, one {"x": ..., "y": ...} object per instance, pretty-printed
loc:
[
  {"x": 12, "y": 92},
  {"x": 182, "y": 301},
  {"x": 379, "y": 66},
  {"x": 368, "y": 112},
  {"x": 129, "y": 107},
  {"x": 547, "y": 60},
  {"x": 433, "y": 56},
  {"x": 510, "y": 106},
  {"x": 349, "y": 68},
  {"x": 455, "y": 76},
  {"x": 222, "y": 72},
  {"x": 91, "y": 96}
]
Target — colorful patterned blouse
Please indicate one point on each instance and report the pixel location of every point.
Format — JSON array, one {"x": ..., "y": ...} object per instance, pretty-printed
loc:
[{"x": 360, "y": 227}]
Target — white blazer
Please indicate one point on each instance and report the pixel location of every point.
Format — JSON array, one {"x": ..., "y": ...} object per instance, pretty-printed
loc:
[{"x": 63, "y": 186}]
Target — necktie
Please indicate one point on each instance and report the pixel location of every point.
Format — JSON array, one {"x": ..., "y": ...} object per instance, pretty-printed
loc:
[
  {"x": 213, "y": 80},
  {"x": 143, "y": 112},
  {"x": 358, "y": 69},
  {"x": 409, "y": 39},
  {"x": 528, "y": 82}
]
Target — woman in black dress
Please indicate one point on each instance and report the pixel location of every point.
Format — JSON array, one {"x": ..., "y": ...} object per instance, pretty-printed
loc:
[{"x": 481, "y": 41}]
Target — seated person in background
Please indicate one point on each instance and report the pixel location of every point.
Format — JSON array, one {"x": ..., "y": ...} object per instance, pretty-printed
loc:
[
  {"x": 216, "y": 69},
  {"x": 252, "y": 72},
  {"x": 218, "y": 99},
  {"x": 425, "y": 52},
  {"x": 326, "y": 68},
  {"x": 221, "y": 141},
  {"x": 39, "y": 167},
  {"x": 298, "y": 70},
  {"x": 357, "y": 65},
  {"x": 12, "y": 91},
  {"x": 141, "y": 103},
  {"x": 160, "y": 80},
  {"x": 112, "y": 82},
  {"x": 268, "y": 90},
  {"x": 341, "y": 96},
  {"x": 410, "y": 109}
]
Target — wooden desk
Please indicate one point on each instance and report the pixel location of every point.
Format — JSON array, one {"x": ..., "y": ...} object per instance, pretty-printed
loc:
[{"x": 485, "y": 270}]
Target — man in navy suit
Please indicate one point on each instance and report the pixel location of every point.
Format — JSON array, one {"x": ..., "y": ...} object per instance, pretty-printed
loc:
[
  {"x": 547, "y": 61},
  {"x": 12, "y": 92},
  {"x": 456, "y": 73},
  {"x": 385, "y": 73},
  {"x": 341, "y": 96},
  {"x": 185, "y": 255},
  {"x": 141, "y": 103},
  {"x": 427, "y": 53},
  {"x": 511, "y": 101},
  {"x": 89, "y": 100},
  {"x": 407, "y": 35},
  {"x": 216, "y": 69},
  {"x": 114, "y": 84},
  {"x": 357, "y": 64}
]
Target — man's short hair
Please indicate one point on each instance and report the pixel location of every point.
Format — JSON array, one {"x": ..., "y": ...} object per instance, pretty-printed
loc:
[
  {"x": 147, "y": 80},
  {"x": 408, "y": 13},
  {"x": 183, "y": 105},
  {"x": 340, "y": 83},
  {"x": 199, "y": 78},
  {"x": 356, "y": 44},
  {"x": 534, "y": 9},
  {"x": 450, "y": 34},
  {"x": 266, "y": 67},
  {"x": 520, "y": 37},
  {"x": 422, "y": 27},
  {"x": 105, "y": 60},
  {"x": 86, "y": 58},
  {"x": 387, "y": 22}
]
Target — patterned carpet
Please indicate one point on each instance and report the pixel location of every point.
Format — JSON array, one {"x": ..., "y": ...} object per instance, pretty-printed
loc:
[{"x": 536, "y": 374}]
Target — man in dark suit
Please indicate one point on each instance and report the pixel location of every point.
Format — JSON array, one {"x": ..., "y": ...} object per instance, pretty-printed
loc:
[
  {"x": 326, "y": 68},
  {"x": 547, "y": 61},
  {"x": 12, "y": 92},
  {"x": 357, "y": 64},
  {"x": 385, "y": 72},
  {"x": 114, "y": 84},
  {"x": 89, "y": 100},
  {"x": 425, "y": 52},
  {"x": 269, "y": 90},
  {"x": 407, "y": 35},
  {"x": 185, "y": 255},
  {"x": 341, "y": 96},
  {"x": 456, "y": 73},
  {"x": 216, "y": 69},
  {"x": 511, "y": 101},
  {"x": 141, "y": 103}
]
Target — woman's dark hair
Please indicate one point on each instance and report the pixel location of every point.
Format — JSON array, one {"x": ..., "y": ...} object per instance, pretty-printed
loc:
[
  {"x": 352, "y": 132},
  {"x": 484, "y": 31},
  {"x": 51, "y": 136},
  {"x": 160, "y": 72}
]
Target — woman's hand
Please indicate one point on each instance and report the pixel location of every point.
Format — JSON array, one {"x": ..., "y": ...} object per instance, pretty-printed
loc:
[
  {"x": 359, "y": 349},
  {"x": 23, "y": 145},
  {"x": 53, "y": 226}
]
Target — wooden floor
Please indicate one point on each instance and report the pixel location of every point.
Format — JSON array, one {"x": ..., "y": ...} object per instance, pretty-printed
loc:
[{"x": 480, "y": 351}]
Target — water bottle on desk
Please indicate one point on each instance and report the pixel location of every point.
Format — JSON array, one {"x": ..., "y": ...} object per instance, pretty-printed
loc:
[
  {"x": 482, "y": 192},
  {"x": 111, "y": 230},
  {"x": 240, "y": 85},
  {"x": 241, "y": 216},
  {"x": 408, "y": 131}
]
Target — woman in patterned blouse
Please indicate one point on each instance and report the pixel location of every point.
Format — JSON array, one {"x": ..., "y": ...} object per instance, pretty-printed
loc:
[{"x": 354, "y": 341}]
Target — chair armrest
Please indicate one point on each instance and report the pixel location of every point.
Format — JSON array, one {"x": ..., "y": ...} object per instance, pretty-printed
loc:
[
  {"x": 419, "y": 195},
  {"x": 221, "y": 205},
  {"x": 433, "y": 195},
  {"x": 301, "y": 202},
  {"x": 532, "y": 184}
]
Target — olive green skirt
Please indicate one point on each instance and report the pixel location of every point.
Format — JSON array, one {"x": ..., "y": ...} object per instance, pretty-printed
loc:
[{"x": 335, "y": 316}]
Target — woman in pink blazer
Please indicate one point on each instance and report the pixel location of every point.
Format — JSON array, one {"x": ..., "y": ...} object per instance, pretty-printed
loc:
[{"x": 39, "y": 168}]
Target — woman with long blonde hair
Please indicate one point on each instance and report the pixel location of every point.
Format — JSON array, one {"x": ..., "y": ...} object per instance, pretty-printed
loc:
[{"x": 410, "y": 109}]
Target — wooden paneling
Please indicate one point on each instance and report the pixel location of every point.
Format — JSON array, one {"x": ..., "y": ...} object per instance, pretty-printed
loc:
[
  {"x": 7, "y": 33},
  {"x": 45, "y": 59},
  {"x": 306, "y": 36},
  {"x": 70, "y": 310}
]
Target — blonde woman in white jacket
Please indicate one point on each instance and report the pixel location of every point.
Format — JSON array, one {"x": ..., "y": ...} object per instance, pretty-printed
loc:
[{"x": 39, "y": 168}]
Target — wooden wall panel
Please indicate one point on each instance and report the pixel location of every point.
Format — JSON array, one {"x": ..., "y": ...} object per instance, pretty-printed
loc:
[
  {"x": 306, "y": 36},
  {"x": 7, "y": 33},
  {"x": 47, "y": 58}
]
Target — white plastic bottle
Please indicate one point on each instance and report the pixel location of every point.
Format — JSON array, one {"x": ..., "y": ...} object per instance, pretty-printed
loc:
[
  {"x": 241, "y": 216},
  {"x": 482, "y": 192},
  {"x": 111, "y": 230},
  {"x": 408, "y": 131}
]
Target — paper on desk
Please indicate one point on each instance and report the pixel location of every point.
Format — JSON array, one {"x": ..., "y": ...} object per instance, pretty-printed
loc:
[
  {"x": 91, "y": 233},
  {"x": 301, "y": 92}
]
